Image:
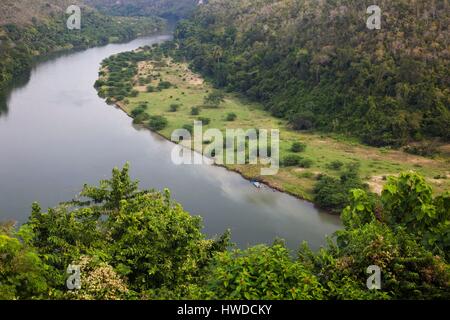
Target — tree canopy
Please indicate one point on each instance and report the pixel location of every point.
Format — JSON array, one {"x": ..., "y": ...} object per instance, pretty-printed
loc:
[{"x": 140, "y": 244}]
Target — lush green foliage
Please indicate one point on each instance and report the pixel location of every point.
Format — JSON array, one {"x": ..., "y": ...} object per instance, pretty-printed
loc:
[
  {"x": 298, "y": 147},
  {"x": 172, "y": 9},
  {"x": 157, "y": 123},
  {"x": 250, "y": 275},
  {"x": 231, "y": 116},
  {"x": 133, "y": 244},
  {"x": 19, "y": 44},
  {"x": 332, "y": 193},
  {"x": 316, "y": 63}
]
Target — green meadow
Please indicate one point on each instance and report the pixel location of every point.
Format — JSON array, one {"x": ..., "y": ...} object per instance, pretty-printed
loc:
[{"x": 188, "y": 90}]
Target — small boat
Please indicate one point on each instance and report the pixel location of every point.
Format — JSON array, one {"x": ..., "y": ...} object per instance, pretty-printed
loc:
[{"x": 257, "y": 184}]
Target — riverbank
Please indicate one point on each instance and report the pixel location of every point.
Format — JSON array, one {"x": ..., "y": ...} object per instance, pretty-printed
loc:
[
  {"x": 18, "y": 54},
  {"x": 187, "y": 91}
]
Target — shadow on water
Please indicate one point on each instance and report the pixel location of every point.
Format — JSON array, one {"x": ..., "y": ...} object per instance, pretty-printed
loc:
[{"x": 18, "y": 82}]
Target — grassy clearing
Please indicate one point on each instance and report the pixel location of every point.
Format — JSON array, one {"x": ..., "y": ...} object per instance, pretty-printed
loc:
[{"x": 188, "y": 90}]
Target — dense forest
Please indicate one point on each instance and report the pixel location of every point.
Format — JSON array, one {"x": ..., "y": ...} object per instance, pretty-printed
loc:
[
  {"x": 317, "y": 64},
  {"x": 140, "y": 244},
  {"x": 170, "y": 9},
  {"x": 42, "y": 30}
]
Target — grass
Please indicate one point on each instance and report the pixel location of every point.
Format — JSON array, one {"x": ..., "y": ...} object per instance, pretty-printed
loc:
[{"x": 189, "y": 90}]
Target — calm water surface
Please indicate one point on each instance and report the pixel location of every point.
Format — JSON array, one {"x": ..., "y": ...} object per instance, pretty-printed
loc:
[{"x": 56, "y": 134}]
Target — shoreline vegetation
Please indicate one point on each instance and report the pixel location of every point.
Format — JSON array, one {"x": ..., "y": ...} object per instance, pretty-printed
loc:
[
  {"x": 24, "y": 43},
  {"x": 150, "y": 86},
  {"x": 132, "y": 244}
]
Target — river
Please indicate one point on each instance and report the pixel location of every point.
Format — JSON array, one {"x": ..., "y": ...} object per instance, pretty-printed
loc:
[{"x": 56, "y": 134}]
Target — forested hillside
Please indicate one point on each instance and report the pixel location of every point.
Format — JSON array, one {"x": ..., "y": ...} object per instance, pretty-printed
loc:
[
  {"x": 173, "y": 9},
  {"x": 34, "y": 28},
  {"x": 316, "y": 63}
]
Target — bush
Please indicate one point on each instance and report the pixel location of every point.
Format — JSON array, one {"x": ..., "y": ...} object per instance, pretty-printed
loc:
[
  {"x": 141, "y": 118},
  {"x": 139, "y": 110},
  {"x": 231, "y": 116},
  {"x": 189, "y": 127},
  {"x": 335, "y": 165},
  {"x": 164, "y": 85},
  {"x": 298, "y": 147},
  {"x": 205, "y": 121},
  {"x": 151, "y": 88},
  {"x": 305, "y": 163},
  {"x": 423, "y": 149},
  {"x": 260, "y": 273},
  {"x": 291, "y": 160},
  {"x": 134, "y": 93},
  {"x": 333, "y": 193},
  {"x": 157, "y": 123},
  {"x": 195, "y": 111},
  {"x": 214, "y": 99},
  {"x": 99, "y": 84},
  {"x": 174, "y": 107}
]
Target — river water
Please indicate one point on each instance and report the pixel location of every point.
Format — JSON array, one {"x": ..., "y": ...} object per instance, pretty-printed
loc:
[{"x": 56, "y": 134}]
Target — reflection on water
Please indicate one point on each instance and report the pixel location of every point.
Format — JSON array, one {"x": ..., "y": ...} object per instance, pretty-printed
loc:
[
  {"x": 56, "y": 134},
  {"x": 3, "y": 104},
  {"x": 19, "y": 82}
]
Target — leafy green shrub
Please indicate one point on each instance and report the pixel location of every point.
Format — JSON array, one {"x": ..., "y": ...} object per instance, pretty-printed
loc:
[
  {"x": 333, "y": 193},
  {"x": 307, "y": 175},
  {"x": 164, "y": 85},
  {"x": 195, "y": 111},
  {"x": 205, "y": 121},
  {"x": 260, "y": 273},
  {"x": 174, "y": 107},
  {"x": 231, "y": 116},
  {"x": 298, "y": 147},
  {"x": 335, "y": 165},
  {"x": 134, "y": 93},
  {"x": 424, "y": 149},
  {"x": 138, "y": 111},
  {"x": 141, "y": 118},
  {"x": 151, "y": 88},
  {"x": 157, "y": 123},
  {"x": 99, "y": 84},
  {"x": 305, "y": 163},
  {"x": 189, "y": 127},
  {"x": 214, "y": 99},
  {"x": 291, "y": 160}
]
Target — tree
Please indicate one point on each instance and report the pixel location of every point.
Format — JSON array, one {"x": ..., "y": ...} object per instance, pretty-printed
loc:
[
  {"x": 156, "y": 244},
  {"x": 111, "y": 192},
  {"x": 260, "y": 273},
  {"x": 214, "y": 99},
  {"x": 22, "y": 272},
  {"x": 332, "y": 193},
  {"x": 157, "y": 123},
  {"x": 231, "y": 116}
]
